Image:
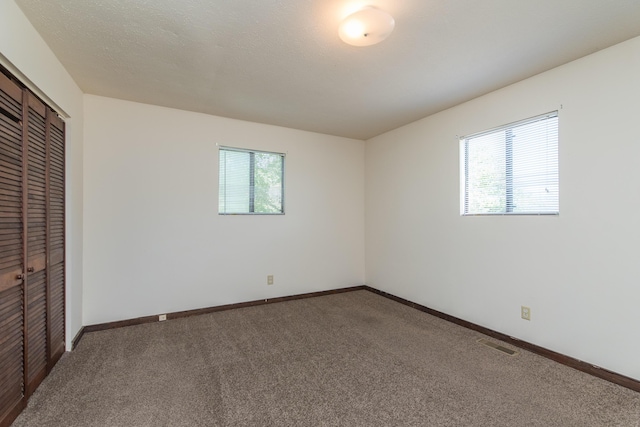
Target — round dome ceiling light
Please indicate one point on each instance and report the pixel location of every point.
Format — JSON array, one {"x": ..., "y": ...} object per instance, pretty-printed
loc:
[{"x": 366, "y": 27}]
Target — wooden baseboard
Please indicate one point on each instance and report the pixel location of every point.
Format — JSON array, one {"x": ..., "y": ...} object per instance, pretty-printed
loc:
[
  {"x": 187, "y": 313},
  {"x": 77, "y": 338},
  {"x": 588, "y": 368}
]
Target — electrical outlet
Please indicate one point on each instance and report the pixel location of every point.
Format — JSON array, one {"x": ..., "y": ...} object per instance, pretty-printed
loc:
[
  {"x": 525, "y": 312},
  {"x": 269, "y": 280},
  {"x": 162, "y": 318}
]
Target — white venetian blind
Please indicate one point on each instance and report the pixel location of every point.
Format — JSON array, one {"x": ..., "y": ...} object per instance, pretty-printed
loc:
[
  {"x": 512, "y": 169},
  {"x": 234, "y": 181}
]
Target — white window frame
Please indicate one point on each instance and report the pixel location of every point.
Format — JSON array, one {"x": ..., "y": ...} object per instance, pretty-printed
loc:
[
  {"x": 252, "y": 193},
  {"x": 509, "y": 186}
]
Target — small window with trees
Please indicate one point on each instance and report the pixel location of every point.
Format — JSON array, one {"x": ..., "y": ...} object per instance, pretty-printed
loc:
[
  {"x": 251, "y": 182},
  {"x": 512, "y": 169}
]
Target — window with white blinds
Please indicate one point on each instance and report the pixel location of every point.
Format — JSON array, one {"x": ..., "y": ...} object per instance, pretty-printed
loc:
[
  {"x": 512, "y": 169},
  {"x": 251, "y": 182}
]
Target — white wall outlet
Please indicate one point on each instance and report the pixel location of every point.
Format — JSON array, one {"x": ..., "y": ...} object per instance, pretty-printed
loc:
[
  {"x": 162, "y": 318},
  {"x": 270, "y": 280},
  {"x": 525, "y": 312}
]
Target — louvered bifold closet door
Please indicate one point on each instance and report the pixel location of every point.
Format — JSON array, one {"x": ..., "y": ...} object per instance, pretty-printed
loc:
[
  {"x": 56, "y": 270},
  {"x": 37, "y": 346},
  {"x": 11, "y": 251}
]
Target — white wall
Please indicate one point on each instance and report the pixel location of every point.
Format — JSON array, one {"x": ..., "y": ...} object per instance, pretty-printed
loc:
[
  {"x": 24, "y": 53},
  {"x": 154, "y": 242},
  {"x": 579, "y": 272}
]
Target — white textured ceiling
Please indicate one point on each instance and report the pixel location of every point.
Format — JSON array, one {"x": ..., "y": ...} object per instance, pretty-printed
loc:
[{"x": 281, "y": 61}]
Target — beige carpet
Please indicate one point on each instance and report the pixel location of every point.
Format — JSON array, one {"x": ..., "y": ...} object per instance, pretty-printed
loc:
[{"x": 351, "y": 359}]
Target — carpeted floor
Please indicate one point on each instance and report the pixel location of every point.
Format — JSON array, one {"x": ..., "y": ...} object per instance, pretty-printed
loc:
[{"x": 351, "y": 359}]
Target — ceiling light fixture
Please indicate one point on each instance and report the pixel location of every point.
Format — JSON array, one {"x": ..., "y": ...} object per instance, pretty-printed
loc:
[{"x": 366, "y": 27}]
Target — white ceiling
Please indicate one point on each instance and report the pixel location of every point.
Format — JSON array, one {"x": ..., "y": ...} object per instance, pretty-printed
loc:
[{"x": 281, "y": 61}]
